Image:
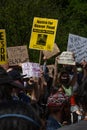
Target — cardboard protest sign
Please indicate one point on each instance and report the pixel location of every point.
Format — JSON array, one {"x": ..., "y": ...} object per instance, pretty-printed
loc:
[
  {"x": 17, "y": 54},
  {"x": 66, "y": 58},
  {"x": 49, "y": 54},
  {"x": 3, "y": 52},
  {"x": 77, "y": 45},
  {"x": 31, "y": 69},
  {"x": 43, "y": 33}
]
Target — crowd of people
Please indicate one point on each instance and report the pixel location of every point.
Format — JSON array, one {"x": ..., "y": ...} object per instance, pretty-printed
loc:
[{"x": 36, "y": 104}]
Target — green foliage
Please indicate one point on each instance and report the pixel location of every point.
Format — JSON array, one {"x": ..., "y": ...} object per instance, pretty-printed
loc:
[{"x": 16, "y": 17}]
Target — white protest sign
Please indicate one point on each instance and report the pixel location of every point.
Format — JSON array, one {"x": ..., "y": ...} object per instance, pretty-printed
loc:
[
  {"x": 66, "y": 58},
  {"x": 31, "y": 69},
  {"x": 77, "y": 45}
]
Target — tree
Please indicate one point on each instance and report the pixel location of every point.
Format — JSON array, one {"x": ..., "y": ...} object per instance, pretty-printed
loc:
[{"x": 16, "y": 17}]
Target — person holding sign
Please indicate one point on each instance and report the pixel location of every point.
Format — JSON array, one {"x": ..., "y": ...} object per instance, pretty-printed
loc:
[
  {"x": 68, "y": 75},
  {"x": 66, "y": 82},
  {"x": 82, "y": 101}
]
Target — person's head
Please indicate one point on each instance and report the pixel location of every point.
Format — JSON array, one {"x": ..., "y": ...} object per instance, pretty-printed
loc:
[
  {"x": 16, "y": 76},
  {"x": 7, "y": 84},
  {"x": 68, "y": 68},
  {"x": 64, "y": 78},
  {"x": 16, "y": 115},
  {"x": 56, "y": 104}
]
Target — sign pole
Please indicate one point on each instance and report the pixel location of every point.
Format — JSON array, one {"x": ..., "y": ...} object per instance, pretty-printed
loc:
[
  {"x": 55, "y": 73},
  {"x": 40, "y": 56}
]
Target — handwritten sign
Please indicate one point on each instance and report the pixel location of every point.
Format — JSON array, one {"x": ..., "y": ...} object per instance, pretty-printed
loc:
[
  {"x": 3, "y": 52},
  {"x": 66, "y": 58},
  {"x": 31, "y": 69},
  {"x": 17, "y": 54},
  {"x": 43, "y": 33},
  {"x": 78, "y": 45},
  {"x": 49, "y": 54}
]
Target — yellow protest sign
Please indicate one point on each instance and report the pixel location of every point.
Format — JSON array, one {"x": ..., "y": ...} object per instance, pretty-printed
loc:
[
  {"x": 3, "y": 54},
  {"x": 43, "y": 34}
]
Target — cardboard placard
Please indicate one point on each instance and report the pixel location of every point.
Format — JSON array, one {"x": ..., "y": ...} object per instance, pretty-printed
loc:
[
  {"x": 17, "y": 54},
  {"x": 49, "y": 54}
]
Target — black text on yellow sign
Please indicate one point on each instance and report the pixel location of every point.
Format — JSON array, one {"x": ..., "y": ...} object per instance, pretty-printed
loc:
[
  {"x": 43, "y": 33},
  {"x": 3, "y": 55}
]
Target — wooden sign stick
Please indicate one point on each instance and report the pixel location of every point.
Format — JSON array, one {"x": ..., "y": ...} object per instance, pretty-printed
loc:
[{"x": 55, "y": 73}]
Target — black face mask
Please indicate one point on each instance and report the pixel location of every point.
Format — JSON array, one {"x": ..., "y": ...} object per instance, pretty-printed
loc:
[{"x": 64, "y": 81}]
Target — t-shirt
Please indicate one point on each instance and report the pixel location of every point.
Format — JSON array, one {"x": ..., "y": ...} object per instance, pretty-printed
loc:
[
  {"x": 68, "y": 91},
  {"x": 81, "y": 125}
]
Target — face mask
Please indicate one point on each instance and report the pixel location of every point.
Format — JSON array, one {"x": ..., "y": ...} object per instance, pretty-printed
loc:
[{"x": 64, "y": 81}]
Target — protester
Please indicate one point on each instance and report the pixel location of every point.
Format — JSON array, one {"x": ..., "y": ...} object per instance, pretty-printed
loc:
[
  {"x": 82, "y": 102},
  {"x": 84, "y": 67},
  {"x": 66, "y": 82},
  {"x": 47, "y": 79},
  {"x": 76, "y": 113},
  {"x": 16, "y": 76},
  {"x": 18, "y": 94},
  {"x": 17, "y": 115},
  {"x": 55, "y": 105},
  {"x": 32, "y": 89},
  {"x": 7, "y": 84}
]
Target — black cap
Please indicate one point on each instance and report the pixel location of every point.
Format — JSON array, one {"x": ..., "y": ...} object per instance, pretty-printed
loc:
[
  {"x": 5, "y": 78},
  {"x": 15, "y": 74}
]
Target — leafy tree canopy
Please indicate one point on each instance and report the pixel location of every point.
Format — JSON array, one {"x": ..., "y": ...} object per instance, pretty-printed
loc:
[{"x": 16, "y": 17}]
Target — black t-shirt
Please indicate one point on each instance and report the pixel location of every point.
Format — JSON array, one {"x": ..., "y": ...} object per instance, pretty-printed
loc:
[{"x": 82, "y": 125}]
